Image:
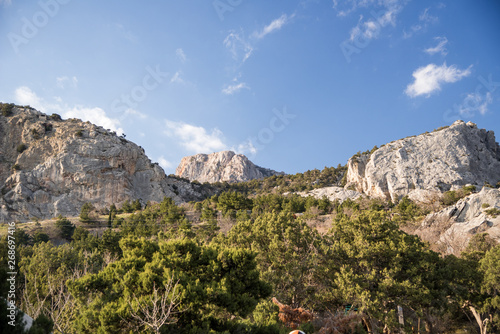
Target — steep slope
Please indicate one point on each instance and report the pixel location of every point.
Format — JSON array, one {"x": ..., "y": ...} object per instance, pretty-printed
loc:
[
  {"x": 49, "y": 167},
  {"x": 221, "y": 166},
  {"x": 423, "y": 166},
  {"x": 452, "y": 227}
]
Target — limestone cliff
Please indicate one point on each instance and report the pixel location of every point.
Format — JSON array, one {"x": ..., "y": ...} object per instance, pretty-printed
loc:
[
  {"x": 50, "y": 166},
  {"x": 452, "y": 227},
  {"x": 426, "y": 165},
  {"x": 219, "y": 167}
]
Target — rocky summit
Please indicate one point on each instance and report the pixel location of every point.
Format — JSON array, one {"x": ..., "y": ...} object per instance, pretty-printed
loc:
[
  {"x": 221, "y": 166},
  {"x": 426, "y": 165},
  {"x": 50, "y": 166}
]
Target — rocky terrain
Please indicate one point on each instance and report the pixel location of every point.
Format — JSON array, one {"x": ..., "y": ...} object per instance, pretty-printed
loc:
[
  {"x": 452, "y": 227},
  {"x": 221, "y": 166},
  {"x": 424, "y": 166},
  {"x": 50, "y": 166},
  {"x": 332, "y": 193}
]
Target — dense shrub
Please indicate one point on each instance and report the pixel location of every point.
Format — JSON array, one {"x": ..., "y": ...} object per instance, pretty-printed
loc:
[
  {"x": 21, "y": 148},
  {"x": 7, "y": 109}
]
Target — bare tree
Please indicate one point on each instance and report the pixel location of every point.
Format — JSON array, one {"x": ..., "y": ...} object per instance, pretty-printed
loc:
[{"x": 159, "y": 308}]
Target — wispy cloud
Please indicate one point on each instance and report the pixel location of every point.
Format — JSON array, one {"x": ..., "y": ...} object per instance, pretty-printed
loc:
[
  {"x": 232, "y": 89},
  {"x": 247, "y": 148},
  {"x": 25, "y": 96},
  {"x": 346, "y": 7},
  {"x": 64, "y": 81},
  {"x": 164, "y": 163},
  {"x": 475, "y": 102},
  {"x": 426, "y": 17},
  {"x": 6, "y": 2},
  {"x": 440, "y": 48},
  {"x": 240, "y": 49},
  {"x": 370, "y": 28},
  {"x": 135, "y": 113},
  {"x": 428, "y": 79},
  {"x": 180, "y": 55},
  {"x": 273, "y": 26},
  {"x": 195, "y": 139},
  {"x": 424, "y": 20}
]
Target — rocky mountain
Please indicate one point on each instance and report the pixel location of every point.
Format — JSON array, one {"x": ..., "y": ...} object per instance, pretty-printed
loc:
[
  {"x": 452, "y": 227},
  {"x": 332, "y": 193},
  {"x": 221, "y": 166},
  {"x": 424, "y": 166},
  {"x": 50, "y": 166}
]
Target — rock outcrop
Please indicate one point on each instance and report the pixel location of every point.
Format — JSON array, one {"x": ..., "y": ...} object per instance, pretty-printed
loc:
[
  {"x": 50, "y": 166},
  {"x": 332, "y": 193},
  {"x": 426, "y": 165},
  {"x": 221, "y": 166},
  {"x": 452, "y": 227}
]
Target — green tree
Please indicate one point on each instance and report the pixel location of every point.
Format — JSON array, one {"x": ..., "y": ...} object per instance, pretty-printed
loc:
[
  {"x": 289, "y": 254},
  {"x": 45, "y": 269},
  {"x": 490, "y": 267},
  {"x": 230, "y": 201},
  {"x": 377, "y": 267},
  {"x": 85, "y": 212},
  {"x": 127, "y": 207},
  {"x": 40, "y": 237},
  {"x": 477, "y": 280},
  {"x": 65, "y": 227},
  {"x": 7, "y": 109},
  {"x": 137, "y": 206},
  {"x": 212, "y": 284}
]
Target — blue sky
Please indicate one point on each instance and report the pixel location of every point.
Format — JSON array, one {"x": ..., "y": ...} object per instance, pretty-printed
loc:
[{"x": 294, "y": 85}]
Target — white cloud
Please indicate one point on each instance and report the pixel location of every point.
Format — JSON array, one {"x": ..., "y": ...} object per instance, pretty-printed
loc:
[
  {"x": 133, "y": 112},
  {"x": 440, "y": 48},
  {"x": 180, "y": 55},
  {"x": 6, "y": 2},
  {"x": 96, "y": 116},
  {"x": 164, "y": 163},
  {"x": 63, "y": 81},
  {"x": 25, "y": 96},
  {"x": 475, "y": 102},
  {"x": 241, "y": 48},
  {"x": 428, "y": 79},
  {"x": 237, "y": 45},
  {"x": 195, "y": 138},
  {"x": 246, "y": 148},
  {"x": 232, "y": 89},
  {"x": 370, "y": 28},
  {"x": 274, "y": 25},
  {"x": 426, "y": 17}
]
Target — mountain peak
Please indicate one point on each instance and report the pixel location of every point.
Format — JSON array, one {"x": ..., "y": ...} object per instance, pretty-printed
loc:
[
  {"x": 426, "y": 165},
  {"x": 221, "y": 166}
]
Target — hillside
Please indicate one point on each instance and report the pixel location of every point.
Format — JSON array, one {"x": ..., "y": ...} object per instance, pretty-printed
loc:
[{"x": 50, "y": 167}]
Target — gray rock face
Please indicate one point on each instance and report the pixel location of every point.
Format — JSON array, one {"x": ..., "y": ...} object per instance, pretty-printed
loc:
[
  {"x": 67, "y": 163},
  {"x": 424, "y": 166},
  {"x": 221, "y": 166},
  {"x": 452, "y": 227},
  {"x": 332, "y": 193}
]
